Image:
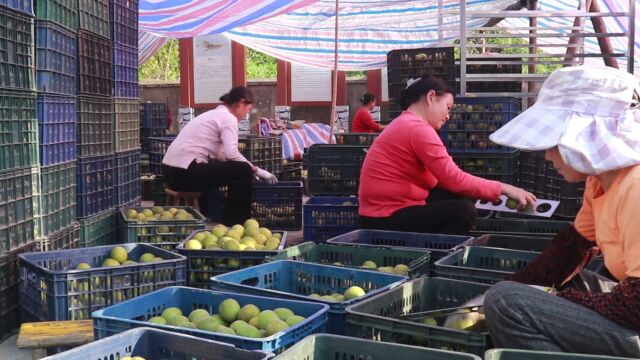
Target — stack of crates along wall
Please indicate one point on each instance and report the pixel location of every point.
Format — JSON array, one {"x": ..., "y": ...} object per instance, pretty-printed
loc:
[
  {"x": 466, "y": 136},
  {"x": 538, "y": 176},
  {"x": 124, "y": 37},
  {"x": 19, "y": 169},
  {"x": 56, "y": 67},
  {"x": 406, "y": 64},
  {"x": 95, "y": 124},
  {"x": 157, "y": 148},
  {"x": 263, "y": 152},
  {"x": 153, "y": 122}
]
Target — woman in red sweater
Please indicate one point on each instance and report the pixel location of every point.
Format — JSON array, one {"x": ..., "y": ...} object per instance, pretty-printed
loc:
[
  {"x": 408, "y": 180},
  {"x": 363, "y": 121}
]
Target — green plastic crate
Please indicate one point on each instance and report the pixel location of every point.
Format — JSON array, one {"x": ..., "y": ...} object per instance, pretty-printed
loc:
[
  {"x": 483, "y": 264},
  {"x": 510, "y": 354},
  {"x": 378, "y": 318},
  {"x": 16, "y": 51},
  {"x": 94, "y": 16},
  {"x": 67, "y": 238},
  {"x": 326, "y": 347},
  {"x": 63, "y": 12},
  {"x": 18, "y": 128},
  {"x": 57, "y": 197},
  {"x": 99, "y": 229},
  {"x": 164, "y": 234},
  {"x": 19, "y": 207},
  {"x": 351, "y": 256}
]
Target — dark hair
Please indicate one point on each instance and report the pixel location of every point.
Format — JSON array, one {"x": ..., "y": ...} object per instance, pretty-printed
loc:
[
  {"x": 419, "y": 87},
  {"x": 367, "y": 98},
  {"x": 236, "y": 94}
]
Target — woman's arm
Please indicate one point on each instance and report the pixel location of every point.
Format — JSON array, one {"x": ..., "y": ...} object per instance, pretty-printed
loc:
[{"x": 229, "y": 137}]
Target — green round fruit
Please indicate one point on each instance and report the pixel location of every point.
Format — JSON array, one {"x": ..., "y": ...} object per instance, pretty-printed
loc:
[
  {"x": 208, "y": 324},
  {"x": 248, "y": 331},
  {"x": 386, "y": 269},
  {"x": 225, "y": 330},
  {"x": 512, "y": 204},
  {"x": 170, "y": 312},
  {"x": 158, "y": 320},
  {"x": 283, "y": 313},
  {"x": 265, "y": 318},
  {"x": 83, "y": 266},
  {"x": 110, "y": 263},
  {"x": 193, "y": 245},
  {"x": 132, "y": 214},
  {"x": 369, "y": 264},
  {"x": 251, "y": 223},
  {"x": 119, "y": 254},
  {"x": 254, "y": 322},
  {"x": 146, "y": 257},
  {"x": 401, "y": 269},
  {"x": 353, "y": 292},
  {"x": 219, "y": 231},
  {"x": 229, "y": 309},
  {"x": 187, "y": 324},
  {"x": 276, "y": 326},
  {"x": 236, "y": 325},
  {"x": 177, "y": 320},
  {"x": 239, "y": 228},
  {"x": 248, "y": 312},
  {"x": 293, "y": 320},
  {"x": 147, "y": 212},
  {"x": 157, "y": 210},
  {"x": 231, "y": 245},
  {"x": 197, "y": 314}
]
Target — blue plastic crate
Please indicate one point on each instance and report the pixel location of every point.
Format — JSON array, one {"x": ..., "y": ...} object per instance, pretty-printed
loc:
[
  {"x": 335, "y": 169},
  {"x": 94, "y": 179},
  {"x": 297, "y": 280},
  {"x": 18, "y": 207},
  {"x": 203, "y": 264},
  {"x": 153, "y": 115},
  {"x": 95, "y": 75},
  {"x": 158, "y": 344},
  {"x": 157, "y": 148},
  {"x": 326, "y": 217},
  {"x": 56, "y": 49},
  {"x": 438, "y": 244},
  {"x": 125, "y": 71},
  {"x": 124, "y": 22},
  {"x": 57, "y": 128},
  {"x": 52, "y": 289},
  {"x": 126, "y": 187},
  {"x": 135, "y": 313},
  {"x": 473, "y": 119},
  {"x": 25, "y": 6}
]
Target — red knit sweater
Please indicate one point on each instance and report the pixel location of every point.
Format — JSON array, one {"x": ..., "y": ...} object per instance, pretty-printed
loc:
[{"x": 406, "y": 160}]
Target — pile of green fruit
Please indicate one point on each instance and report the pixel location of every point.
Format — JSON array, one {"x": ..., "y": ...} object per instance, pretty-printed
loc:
[
  {"x": 249, "y": 237},
  {"x": 351, "y": 293},
  {"x": 399, "y": 269},
  {"x": 248, "y": 321},
  {"x": 158, "y": 213},
  {"x": 120, "y": 256}
]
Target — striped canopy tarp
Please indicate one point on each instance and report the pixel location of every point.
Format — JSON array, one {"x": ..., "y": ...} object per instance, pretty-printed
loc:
[{"x": 303, "y": 31}]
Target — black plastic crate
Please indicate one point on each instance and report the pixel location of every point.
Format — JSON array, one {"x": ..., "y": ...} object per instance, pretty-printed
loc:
[
  {"x": 406, "y": 64},
  {"x": 18, "y": 207},
  {"x": 93, "y": 16},
  {"x": 58, "y": 197},
  {"x": 10, "y": 291},
  {"x": 125, "y": 71},
  {"x": 157, "y": 148},
  {"x": 94, "y": 179},
  {"x": 335, "y": 169},
  {"x": 124, "y": 22},
  {"x": 264, "y": 152},
  {"x": 56, "y": 49},
  {"x": 63, "y": 12},
  {"x": 499, "y": 68},
  {"x": 127, "y": 125},
  {"x": 493, "y": 166},
  {"x": 16, "y": 50},
  {"x": 538, "y": 175},
  {"x": 94, "y": 133},
  {"x": 18, "y": 129},
  {"x": 513, "y": 242},
  {"x": 356, "y": 138},
  {"x": 291, "y": 171},
  {"x": 524, "y": 227},
  {"x": 95, "y": 75},
  {"x": 472, "y": 120},
  {"x": 326, "y": 217},
  {"x": 57, "y": 128},
  {"x": 146, "y": 134},
  {"x": 67, "y": 238},
  {"x": 153, "y": 115},
  {"x": 126, "y": 177}
]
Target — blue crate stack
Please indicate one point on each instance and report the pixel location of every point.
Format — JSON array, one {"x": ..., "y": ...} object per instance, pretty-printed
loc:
[
  {"x": 123, "y": 27},
  {"x": 19, "y": 168}
]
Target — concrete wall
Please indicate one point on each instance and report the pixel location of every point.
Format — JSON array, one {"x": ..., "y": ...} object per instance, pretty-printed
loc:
[{"x": 265, "y": 100}]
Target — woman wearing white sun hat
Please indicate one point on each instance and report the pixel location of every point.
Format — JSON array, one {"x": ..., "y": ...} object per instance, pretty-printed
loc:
[{"x": 587, "y": 120}]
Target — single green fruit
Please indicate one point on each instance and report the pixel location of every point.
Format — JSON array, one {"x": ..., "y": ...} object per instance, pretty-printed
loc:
[
  {"x": 248, "y": 312},
  {"x": 233, "y": 263},
  {"x": 275, "y": 327},
  {"x": 110, "y": 263},
  {"x": 197, "y": 314},
  {"x": 208, "y": 324},
  {"x": 170, "y": 312},
  {"x": 283, "y": 313},
  {"x": 248, "y": 331},
  {"x": 225, "y": 330},
  {"x": 293, "y": 320},
  {"x": 369, "y": 264},
  {"x": 187, "y": 324},
  {"x": 157, "y": 210},
  {"x": 251, "y": 223},
  {"x": 182, "y": 216},
  {"x": 254, "y": 322},
  {"x": 219, "y": 231},
  {"x": 119, "y": 254},
  {"x": 193, "y": 245},
  {"x": 146, "y": 257},
  {"x": 229, "y": 309},
  {"x": 158, "y": 320},
  {"x": 430, "y": 321},
  {"x": 83, "y": 266},
  {"x": 386, "y": 269},
  {"x": 339, "y": 298},
  {"x": 147, "y": 212},
  {"x": 129, "y": 262},
  {"x": 231, "y": 245},
  {"x": 234, "y": 234},
  {"x": 251, "y": 231},
  {"x": 512, "y": 204},
  {"x": 265, "y": 318},
  {"x": 401, "y": 269},
  {"x": 353, "y": 292},
  {"x": 177, "y": 320},
  {"x": 132, "y": 214},
  {"x": 266, "y": 232},
  {"x": 200, "y": 236},
  {"x": 239, "y": 228},
  {"x": 236, "y": 325}
]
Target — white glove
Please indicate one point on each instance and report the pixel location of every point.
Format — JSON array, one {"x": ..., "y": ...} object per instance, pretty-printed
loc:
[{"x": 266, "y": 176}]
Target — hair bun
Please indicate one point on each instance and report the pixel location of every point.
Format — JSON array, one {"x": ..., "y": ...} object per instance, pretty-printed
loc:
[{"x": 224, "y": 98}]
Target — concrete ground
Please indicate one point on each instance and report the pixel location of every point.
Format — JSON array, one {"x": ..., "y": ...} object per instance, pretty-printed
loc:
[{"x": 9, "y": 350}]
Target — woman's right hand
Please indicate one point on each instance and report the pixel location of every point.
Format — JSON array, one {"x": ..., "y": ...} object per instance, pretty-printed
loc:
[
  {"x": 524, "y": 198},
  {"x": 266, "y": 176}
]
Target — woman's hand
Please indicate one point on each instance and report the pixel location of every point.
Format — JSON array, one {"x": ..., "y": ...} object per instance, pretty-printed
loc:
[
  {"x": 524, "y": 198},
  {"x": 266, "y": 176}
]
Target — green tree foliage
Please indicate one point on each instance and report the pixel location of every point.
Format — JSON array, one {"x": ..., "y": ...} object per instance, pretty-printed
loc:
[
  {"x": 261, "y": 66},
  {"x": 164, "y": 65}
]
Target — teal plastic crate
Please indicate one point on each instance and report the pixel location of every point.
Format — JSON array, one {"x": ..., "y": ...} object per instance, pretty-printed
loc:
[
  {"x": 16, "y": 51},
  {"x": 511, "y": 354},
  {"x": 166, "y": 234},
  {"x": 483, "y": 264},
  {"x": 51, "y": 288},
  {"x": 350, "y": 256},
  {"x": 67, "y": 238},
  {"x": 379, "y": 318},
  {"x": 203, "y": 264},
  {"x": 153, "y": 344},
  {"x": 19, "y": 127},
  {"x": 58, "y": 197},
  {"x": 99, "y": 229},
  {"x": 297, "y": 280},
  {"x": 513, "y": 242},
  {"x": 63, "y": 12},
  {"x": 19, "y": 206},
  {"x": 324, "y": 347},
  {"x": 135, "y": 313}
]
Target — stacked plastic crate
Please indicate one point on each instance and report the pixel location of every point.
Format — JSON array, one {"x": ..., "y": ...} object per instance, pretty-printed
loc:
[
  {"x": 95, "y": 127},
  {"x": 56, "y": 48},
  {"x": 153, "y": 122},
  {"x": 19, "y": 169},
  {"x": 126, "y": 140}
]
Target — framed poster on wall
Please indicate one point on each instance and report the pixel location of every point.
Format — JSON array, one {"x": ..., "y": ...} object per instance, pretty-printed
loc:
[
  {"x": 310, "y": 84},
  {"x": 212, "y": 68}
]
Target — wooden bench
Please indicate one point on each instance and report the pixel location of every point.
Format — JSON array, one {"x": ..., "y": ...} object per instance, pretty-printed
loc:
[
  {"x": 175, "y": 198},
  {"x": 38, "y": 336}
]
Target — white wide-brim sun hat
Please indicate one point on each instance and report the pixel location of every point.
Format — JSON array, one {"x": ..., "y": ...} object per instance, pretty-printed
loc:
[{"x": 589, "y": 112}]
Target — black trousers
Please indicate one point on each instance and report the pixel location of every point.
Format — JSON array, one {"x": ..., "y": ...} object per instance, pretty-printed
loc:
[
  {"x": 443, "y": 213},
  {"x": 206, "y": 177}
]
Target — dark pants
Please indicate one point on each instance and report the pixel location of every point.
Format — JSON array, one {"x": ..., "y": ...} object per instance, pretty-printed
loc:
[
  {"x": 443, "y": 213},
  {"x": 206, "y": 177}
]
